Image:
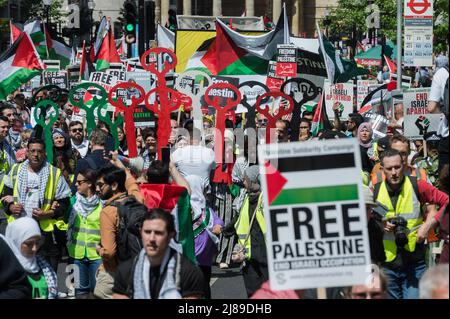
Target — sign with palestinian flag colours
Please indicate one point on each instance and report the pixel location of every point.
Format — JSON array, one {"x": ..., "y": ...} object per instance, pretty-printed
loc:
[
  {"x": 316, "y": 227},
  {"x": 19, "y": 64}
]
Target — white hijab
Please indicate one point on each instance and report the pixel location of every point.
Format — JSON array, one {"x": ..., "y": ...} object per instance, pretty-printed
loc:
[
  {"x": 16, "y": 233},
  {"x": 198, "y": 201}
]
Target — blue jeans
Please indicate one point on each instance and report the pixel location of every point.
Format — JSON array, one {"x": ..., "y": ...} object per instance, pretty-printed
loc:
[
  {"x": 403, "y": 283},
  {"x": 88, "y": 269}
]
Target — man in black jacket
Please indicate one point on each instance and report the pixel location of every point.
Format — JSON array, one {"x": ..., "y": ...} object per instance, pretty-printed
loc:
[{"x": 13, "y": 280}]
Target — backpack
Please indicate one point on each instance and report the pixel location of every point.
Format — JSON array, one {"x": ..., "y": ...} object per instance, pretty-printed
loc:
[
  {"x": 424, "y": 81},
  {"x": 445, "y": 99},
  {"x": 128, "y": 239}
]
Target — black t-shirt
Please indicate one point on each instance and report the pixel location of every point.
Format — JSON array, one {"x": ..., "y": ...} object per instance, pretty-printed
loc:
[{"x": 191, "y": 279}]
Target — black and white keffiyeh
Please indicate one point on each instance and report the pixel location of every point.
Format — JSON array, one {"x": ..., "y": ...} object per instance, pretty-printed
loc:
[{"x": 43, "y": 174}]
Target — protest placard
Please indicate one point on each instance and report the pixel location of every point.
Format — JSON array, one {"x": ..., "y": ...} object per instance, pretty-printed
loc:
[
  {"x": 316, "y": 227},
  {"x": 418, "y": 121},
  {"x": 363, "y": 88},
  {"x": 340, "y": 96},
  {"x": 58, "y": 78},
  {"x": 286, "y": 60}
]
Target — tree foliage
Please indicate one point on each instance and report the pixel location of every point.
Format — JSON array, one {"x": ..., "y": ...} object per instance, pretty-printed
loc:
[
  {"x": 36, "y": 9},
  {"x": 349, "y": 13},
  {"x": 440, "y": 25}
]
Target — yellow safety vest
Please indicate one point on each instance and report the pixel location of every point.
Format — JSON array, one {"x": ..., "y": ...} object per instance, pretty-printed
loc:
[
  {"x": 242, "y": 225},
  {"x": 2, "y": 185},
  {"x": 408, "y": 207},
  {"x": 47, "y": 225},
  {"x": 4, "y": 165},
  {"x": 85, "y": 236}
]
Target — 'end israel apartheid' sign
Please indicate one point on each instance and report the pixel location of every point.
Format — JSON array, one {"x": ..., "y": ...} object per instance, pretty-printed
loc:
[
  {"x": 315, "y": 214},
  {"x": 418, "y": 121}
]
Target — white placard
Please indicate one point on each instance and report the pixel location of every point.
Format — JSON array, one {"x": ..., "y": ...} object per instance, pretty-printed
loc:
[{"x": 316, "y": 228}]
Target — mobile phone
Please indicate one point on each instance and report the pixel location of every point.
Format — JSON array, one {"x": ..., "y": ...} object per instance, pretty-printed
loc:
[{"x": 165, "y": 153}]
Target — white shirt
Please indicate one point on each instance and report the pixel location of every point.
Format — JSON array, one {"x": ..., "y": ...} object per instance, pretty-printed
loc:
[
  {"x": 82, "y": 148},
  {"x": 195, "y": 160},
  {"x": 438, "y": 85}
]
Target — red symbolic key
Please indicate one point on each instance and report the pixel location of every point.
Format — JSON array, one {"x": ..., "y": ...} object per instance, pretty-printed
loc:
[
  {"x": 273, "y": 118},
  {"x": 221, "y": 112},
  {"x": 166, "y": 100},
  {"x": 120, "y": 104}
]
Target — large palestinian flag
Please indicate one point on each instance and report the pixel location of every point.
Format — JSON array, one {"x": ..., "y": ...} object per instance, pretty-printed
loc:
[
  {"x": 58, "y": 50},
  {"x": 107, "y": 53},
  {"x": 35, "y": 31},
  {"x": 231, "y": 53},
  {"x": 174, "y": 199},
  {"x": 18, "y": 65},
  {"x": 15, "y": 32}
]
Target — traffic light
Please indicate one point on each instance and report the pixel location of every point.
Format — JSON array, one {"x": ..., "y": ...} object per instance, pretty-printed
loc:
[{"x": 130, "y": 13}]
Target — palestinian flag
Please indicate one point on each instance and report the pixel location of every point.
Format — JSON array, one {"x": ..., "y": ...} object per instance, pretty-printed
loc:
[
  {"x": 19, "y": 64},
  {"x": 174, "y": 199},
  {"x": 37, "y": 35},
  {"x": 58, "y": 50},
  {"x": 84, "y": 67},
  {"x": 15, "y": 32},
  {"x": 320, "y": 120},
  {"x": 339, "y": 70},
  {"x": 231, "y": 53},
  {"x": 286, "y": 187},
  {"x": 107, "y": 53},
  {"x": 391, "y": 65},
  {"x": 360, "y": 47}
]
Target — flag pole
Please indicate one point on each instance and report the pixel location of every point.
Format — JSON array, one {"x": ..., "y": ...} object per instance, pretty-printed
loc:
[
  {"x": 322, "y": 48},
  {"x": 399, "y": 44}
]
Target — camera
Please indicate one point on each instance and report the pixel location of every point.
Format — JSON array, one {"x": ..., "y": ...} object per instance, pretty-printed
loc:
[{"x": 400, "y": 231}]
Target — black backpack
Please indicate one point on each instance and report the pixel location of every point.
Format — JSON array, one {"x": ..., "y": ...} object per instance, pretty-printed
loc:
[{"x": 128, "y": 239}]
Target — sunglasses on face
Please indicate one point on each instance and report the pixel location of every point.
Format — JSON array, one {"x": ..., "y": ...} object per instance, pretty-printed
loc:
[
  {"x": 80, "y": 182},
  {"x": 100, "y": 185},
  {"x": 77, "y": 130}
]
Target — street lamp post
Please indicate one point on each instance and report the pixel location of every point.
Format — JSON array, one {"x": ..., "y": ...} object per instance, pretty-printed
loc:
[
  {"x": 326, "y": 20},
  {"x": 91, "y": 6},
  {"x": 47, "y": 4}
]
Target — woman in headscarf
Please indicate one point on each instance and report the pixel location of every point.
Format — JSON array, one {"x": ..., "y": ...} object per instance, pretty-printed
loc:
[
  {"x": 23, "y": 235},
  {"x": 207, "y": 226},
  {"x": 365, "y": 133},
  {"x": 64, "y": 156},
  {"x": 83, "y": 233}
]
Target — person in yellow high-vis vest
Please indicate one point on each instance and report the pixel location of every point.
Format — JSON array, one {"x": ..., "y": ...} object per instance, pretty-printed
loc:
[
  {"x": 83, "y": 235},
  {"x": 404, "y": 227},
  {"x": 251, "y": 235},
  {"x": 36, "y": 189},
  {"x": 7, "y": 156}
]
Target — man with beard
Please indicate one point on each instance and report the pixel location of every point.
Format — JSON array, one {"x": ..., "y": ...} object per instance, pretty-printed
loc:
[
  {"x": 114, "y": 185},
  {"x": 76, "y": 133},
  {"x": 40, "y": 191},
  {"x": 405, "y": 226}
]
